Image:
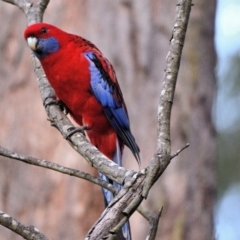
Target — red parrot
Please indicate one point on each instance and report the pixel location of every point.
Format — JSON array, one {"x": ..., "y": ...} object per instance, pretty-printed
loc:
[{"x": 85, "y": 81}]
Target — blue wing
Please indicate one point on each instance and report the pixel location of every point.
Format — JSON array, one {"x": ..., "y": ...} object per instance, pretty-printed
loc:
[{"x": 108, "y": 93}]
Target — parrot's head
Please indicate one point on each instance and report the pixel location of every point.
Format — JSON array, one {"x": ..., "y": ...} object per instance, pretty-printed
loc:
[{"x": 42, "y": 38}]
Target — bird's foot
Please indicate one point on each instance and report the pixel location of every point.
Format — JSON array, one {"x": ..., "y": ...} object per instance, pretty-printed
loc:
[
  {"x": 73, "y": 130},
  {"x": 61, "y": 104}
]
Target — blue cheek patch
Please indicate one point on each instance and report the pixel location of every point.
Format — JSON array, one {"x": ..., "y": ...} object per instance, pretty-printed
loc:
[{"x": 46, "y": 46}]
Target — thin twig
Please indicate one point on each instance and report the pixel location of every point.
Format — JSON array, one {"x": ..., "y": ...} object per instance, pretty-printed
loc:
[
  {"x": 56, "y": 167},
  {"x": 179, "y": 151}
]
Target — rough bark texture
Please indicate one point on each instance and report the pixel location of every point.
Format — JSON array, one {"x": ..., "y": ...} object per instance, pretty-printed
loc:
[{"x": 134, "y": 35}]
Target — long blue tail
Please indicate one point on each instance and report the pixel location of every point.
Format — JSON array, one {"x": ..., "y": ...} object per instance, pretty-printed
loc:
[{"x": 108, "y": 196}]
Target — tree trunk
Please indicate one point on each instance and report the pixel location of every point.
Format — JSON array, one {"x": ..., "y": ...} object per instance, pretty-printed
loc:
[{"x": 134, "y": 35}]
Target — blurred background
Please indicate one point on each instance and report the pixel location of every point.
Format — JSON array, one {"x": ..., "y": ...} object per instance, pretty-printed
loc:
[
  {"x": 200, "y": 190},
  {"x": 227, "y": 118}
]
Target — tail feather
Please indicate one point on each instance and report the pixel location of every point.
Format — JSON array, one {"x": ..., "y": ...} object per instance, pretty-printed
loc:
[
  {"x": 126, "y": 231},
  {"x": 125, "y": 234}
]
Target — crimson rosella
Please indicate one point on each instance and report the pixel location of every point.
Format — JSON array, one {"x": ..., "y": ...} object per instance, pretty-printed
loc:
[{"x": 85, "y": 81}]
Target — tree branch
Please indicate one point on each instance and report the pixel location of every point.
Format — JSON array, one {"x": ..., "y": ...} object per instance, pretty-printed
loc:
[
  {"x": 114, "y": 216},
  {"x": 56, "y": 167},
  {"x": 179, "y": 151},
  {"x": 162, "y": 157},
  {"x": 154, "y": 226},
  {"x": 65, "y": 170},
  {"x": 33, "y": 10},
  {"x": 27, "y": 232}
]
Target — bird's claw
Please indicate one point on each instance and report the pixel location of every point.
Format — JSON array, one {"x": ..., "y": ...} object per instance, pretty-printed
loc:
[
  {"x": 61, "y": 104},
  {"x": 73, "y": 130}
]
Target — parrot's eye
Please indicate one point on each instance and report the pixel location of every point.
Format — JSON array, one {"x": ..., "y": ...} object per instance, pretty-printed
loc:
[{"x": 43, "y": 30}]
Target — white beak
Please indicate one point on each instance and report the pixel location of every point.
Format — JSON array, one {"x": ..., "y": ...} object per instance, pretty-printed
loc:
[{"x": 32, "y": 43}]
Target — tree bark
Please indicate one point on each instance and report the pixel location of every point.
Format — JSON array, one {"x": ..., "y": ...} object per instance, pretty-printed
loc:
[
  {"x": 134, "y": 35},
  {"x": 188, "y": 187}
]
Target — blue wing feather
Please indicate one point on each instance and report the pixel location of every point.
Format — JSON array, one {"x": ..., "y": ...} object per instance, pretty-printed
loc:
[{"x": 109, "y": 95}]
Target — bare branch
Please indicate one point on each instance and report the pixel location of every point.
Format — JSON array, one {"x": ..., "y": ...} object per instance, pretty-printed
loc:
[
  {"x": 171, "y": 73},
  {"x": 162, "y": 158},
  {"x": 144, "y": 213},
  {"x": 154, "y": 226},
  {"x": 65, "y": 170},
  {"x": 56, "y": 167},
  {"x": 179, "y": 151},
  {"x": 27, "y": 232},
  {"x": 33, "y": 10},
  {"x": 114, "y": 215}
]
